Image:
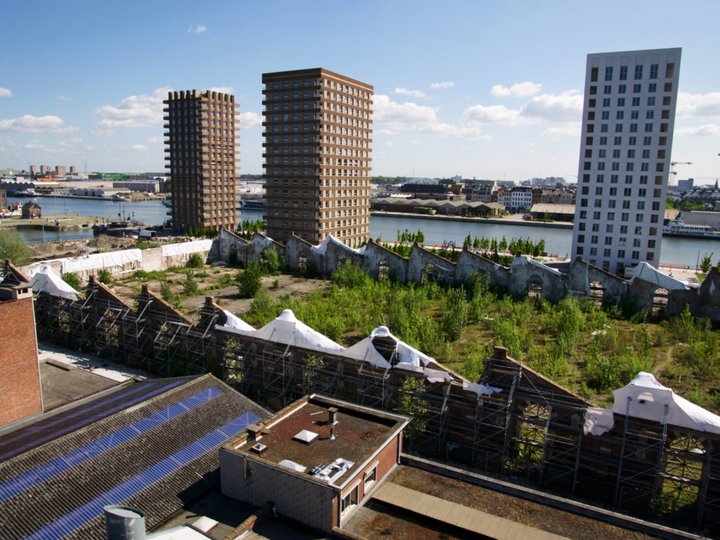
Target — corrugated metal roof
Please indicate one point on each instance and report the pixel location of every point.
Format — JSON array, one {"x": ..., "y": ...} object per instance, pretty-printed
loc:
[{"x": 150, "y": 445}]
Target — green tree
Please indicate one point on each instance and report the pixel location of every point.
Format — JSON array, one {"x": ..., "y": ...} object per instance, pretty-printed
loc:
[
  {"x": 250, "y": 280},
  {"x": 456, "y": 313},
  {"x": 165, "y": 291},
  {"x": 706, "y": 263},
  {"x": 273, "y": 262},
  {"x": 13, "y": 248},
  {"x": 72, "y": 279}
]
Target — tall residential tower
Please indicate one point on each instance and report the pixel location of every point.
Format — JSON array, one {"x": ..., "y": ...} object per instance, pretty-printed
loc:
[
  {"x": 627, "y": 131},
  {"x": 318, "y": 135},
  {"x": 200, "y": 143}
]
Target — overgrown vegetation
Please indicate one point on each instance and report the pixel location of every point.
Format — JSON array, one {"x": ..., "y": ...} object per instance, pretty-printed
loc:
[
  {"x": 585, "y": 347},
  {"x": 13, "y": 248},
  {"x": 72, "y": 279}
]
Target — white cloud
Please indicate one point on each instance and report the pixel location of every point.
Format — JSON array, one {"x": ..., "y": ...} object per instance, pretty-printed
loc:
[
  {"x": 222, "y": 89},
  {"x": 139, "y": 147},
  {"x": 63, "y": 98},
  {"x": 494, "y": 114},
  {"x": 408, "y": 92},
  {"x": 5, "y": 92},
  {"x": 566, "y": 106},
  {"x": 154, "y": 140},
  {"x": 36, "y": 124},
  {"x": 249, "y": 120},
  {"x": 707, "y": 105},
  {"x": 706, "y": 130},
  {"x": 521, "y": 89},
  {"x": 199, "y": 29},
  {"x": 140, "y": 111},
  {"x": 33, "y": 146},
  {"x": 569, "y": 129},
  {"x": 442, "y": 85},
  {"x": 393, "y": 117}
]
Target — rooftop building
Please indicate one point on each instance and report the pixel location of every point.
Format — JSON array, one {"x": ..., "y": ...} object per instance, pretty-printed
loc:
[
  {"x": 200, "y": 143},
  {"x": 317, "y": 459},
  {"x": 627, "y": 131},
  {"x": 318, "y": 135}
]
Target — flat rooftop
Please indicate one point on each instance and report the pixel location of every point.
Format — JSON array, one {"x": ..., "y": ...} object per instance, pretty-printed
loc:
[{"x": 358, "y": 432}]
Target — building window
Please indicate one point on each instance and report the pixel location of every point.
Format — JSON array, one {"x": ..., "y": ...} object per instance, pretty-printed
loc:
[
  {"x": 623, "y": 73},
  {"x": 370, "y": 477},
  {"x": 349, "y": 500},
  {"x": 653, "y": 71},
  {"x": 638, "y": 72}
]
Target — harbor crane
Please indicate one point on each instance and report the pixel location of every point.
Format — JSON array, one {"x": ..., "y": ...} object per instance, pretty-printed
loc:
[{"x": 673, "y": 172}]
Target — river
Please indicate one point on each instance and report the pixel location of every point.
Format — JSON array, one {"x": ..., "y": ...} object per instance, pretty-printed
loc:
[{"x": 676, "y": 251}]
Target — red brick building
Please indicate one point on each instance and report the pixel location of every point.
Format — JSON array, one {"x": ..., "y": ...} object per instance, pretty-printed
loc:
[{"x": 19, "y": 371}]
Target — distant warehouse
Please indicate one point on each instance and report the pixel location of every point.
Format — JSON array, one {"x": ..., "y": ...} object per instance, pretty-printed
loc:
[
  {"x": 555, "y": 212},
  {"x": 139, "y": 186}
]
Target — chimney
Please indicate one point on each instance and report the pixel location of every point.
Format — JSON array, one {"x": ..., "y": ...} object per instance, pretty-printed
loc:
[
  {"x": 124, "y": 523},
  {"x": 332, "y": 415}
]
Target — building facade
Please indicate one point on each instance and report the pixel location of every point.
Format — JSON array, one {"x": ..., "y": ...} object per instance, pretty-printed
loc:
[
  {"x": 627, "y": 131},
  {"x": 317, "y": 139},
  {"x": 200, "y": 146}
]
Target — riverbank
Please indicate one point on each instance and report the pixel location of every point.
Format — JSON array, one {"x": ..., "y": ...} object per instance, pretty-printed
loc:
[
  {"x": 58, "y": 223},
  {"x": 512, "y": 219}
]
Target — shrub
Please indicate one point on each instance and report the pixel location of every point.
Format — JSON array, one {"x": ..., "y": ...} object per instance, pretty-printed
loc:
[
  {"x": 165, "y": 291},
  {"x": 225, "y": 280},
  {"x": 72, "y": 279},
  {"x": 455, "y": 313},
  {"x": 195, "y": 261},
  {"x": 104, "y": 276},
  {"x": 190, "y": 287},
  {"x": 13, "y": 248},
  {"x": 350, "y": 275},
  {"x": 272, "y": 261},
  {"x": 250, "y": 280}
]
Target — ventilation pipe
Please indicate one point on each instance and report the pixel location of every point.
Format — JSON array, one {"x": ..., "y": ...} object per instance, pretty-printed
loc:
[{"x": 124, "y": 523}]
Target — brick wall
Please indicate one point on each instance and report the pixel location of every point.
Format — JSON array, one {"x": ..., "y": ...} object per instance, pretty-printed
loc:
[{"x": 19, "y": 372}]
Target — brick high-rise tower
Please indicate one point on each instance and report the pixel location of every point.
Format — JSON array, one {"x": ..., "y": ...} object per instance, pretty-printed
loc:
[
  {"x": 200, "y": 143},
  {"x": 318, "y": 136}
]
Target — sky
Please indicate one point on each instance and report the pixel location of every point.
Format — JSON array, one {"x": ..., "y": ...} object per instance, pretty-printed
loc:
[{"x": 483, "y": 89}]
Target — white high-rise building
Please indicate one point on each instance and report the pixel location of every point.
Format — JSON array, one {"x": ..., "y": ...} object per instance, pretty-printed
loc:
[{"x": 627, "y": 132}]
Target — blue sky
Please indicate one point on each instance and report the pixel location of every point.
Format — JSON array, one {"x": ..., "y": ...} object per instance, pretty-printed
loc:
[{"x": 476, "y": 88}]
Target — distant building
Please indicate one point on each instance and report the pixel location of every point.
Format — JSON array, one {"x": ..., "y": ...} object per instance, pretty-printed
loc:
[
  {"x": 482, "y": 190},
  {"x": 19, "y": 370},
  {"x": 200, "y": 147},
  {"x": 3, "y": 200},
  {"x": 317, "y": 139},
  {"x": 33, "y": 169},
  {"x": 60, "y": 170},
  {"x": 685, "y": 185},
  {"x": 31, "y": 210},
  {"x": 557, "y": 196},
  {"x": 73, "y": 169},
  {"x": 627, "y": 131},
  {"x": 45, "y": 169},
  {"x": 139, "y": 186},
  {"x": 516, "y": 198},
  {"x": 316, "y": 461}
]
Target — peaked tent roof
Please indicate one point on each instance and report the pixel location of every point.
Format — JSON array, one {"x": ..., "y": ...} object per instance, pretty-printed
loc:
[
  {"x": 408, "y": 357},
  {"x": 330, "y": 239},
  {"x": 288, "y": 330},
  {"x": 235, "y": 322},
  {"x": 49, "y": 282},
  {"x": 649, "y": 273},
  {"x": 646, "y": 398}
]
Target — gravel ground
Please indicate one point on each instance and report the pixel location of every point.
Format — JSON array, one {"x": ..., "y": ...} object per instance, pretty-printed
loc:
[{"x": 485, "y": 500}]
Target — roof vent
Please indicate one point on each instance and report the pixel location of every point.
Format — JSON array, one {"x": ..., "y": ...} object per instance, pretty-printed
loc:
[
  {"x": 306, "y": 436},
  {"x": 258, "y": 448}
]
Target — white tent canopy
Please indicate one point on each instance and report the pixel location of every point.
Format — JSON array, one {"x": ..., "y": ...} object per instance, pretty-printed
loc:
[
  {"x": 49, "y": 282},
  {"x": 646, "y": 398},
  {"x": 408, "y": 357},
  {"x": 236, "y": 323},
  {"x": 288, "y": 330},
  {"x": 330, "y": 239},
  {"x": 646, "y": 272}
]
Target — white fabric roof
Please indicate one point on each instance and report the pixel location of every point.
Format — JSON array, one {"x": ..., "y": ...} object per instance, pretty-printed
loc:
[
  {"x": 646, "y": 398},
  {"x": 49, "y": 282},
  {"x": 186, "y": 248},
  {"x": 648, "y": 273},
  {"x": 322, "y": 247},
  {"x": 480, "y": 389},
  {"x": 408, "y": 358},
  {"x": 101, "y": 260},
  {"x": 598, "y": 420},
  {"x": 529, "y": 260},
  {"x": 236, "y": 322},
  {"x": 288, "y": 330}
]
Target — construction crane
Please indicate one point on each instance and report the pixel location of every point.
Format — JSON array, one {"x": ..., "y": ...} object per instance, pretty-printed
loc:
[{"x": 673, "y": 172}]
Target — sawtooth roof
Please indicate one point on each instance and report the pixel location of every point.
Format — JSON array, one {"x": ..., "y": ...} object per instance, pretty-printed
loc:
[{"x": 152, "y": 445}]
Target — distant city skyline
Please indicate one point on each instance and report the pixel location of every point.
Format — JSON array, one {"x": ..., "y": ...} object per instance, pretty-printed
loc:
[{"x": 461, "y": 88}]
